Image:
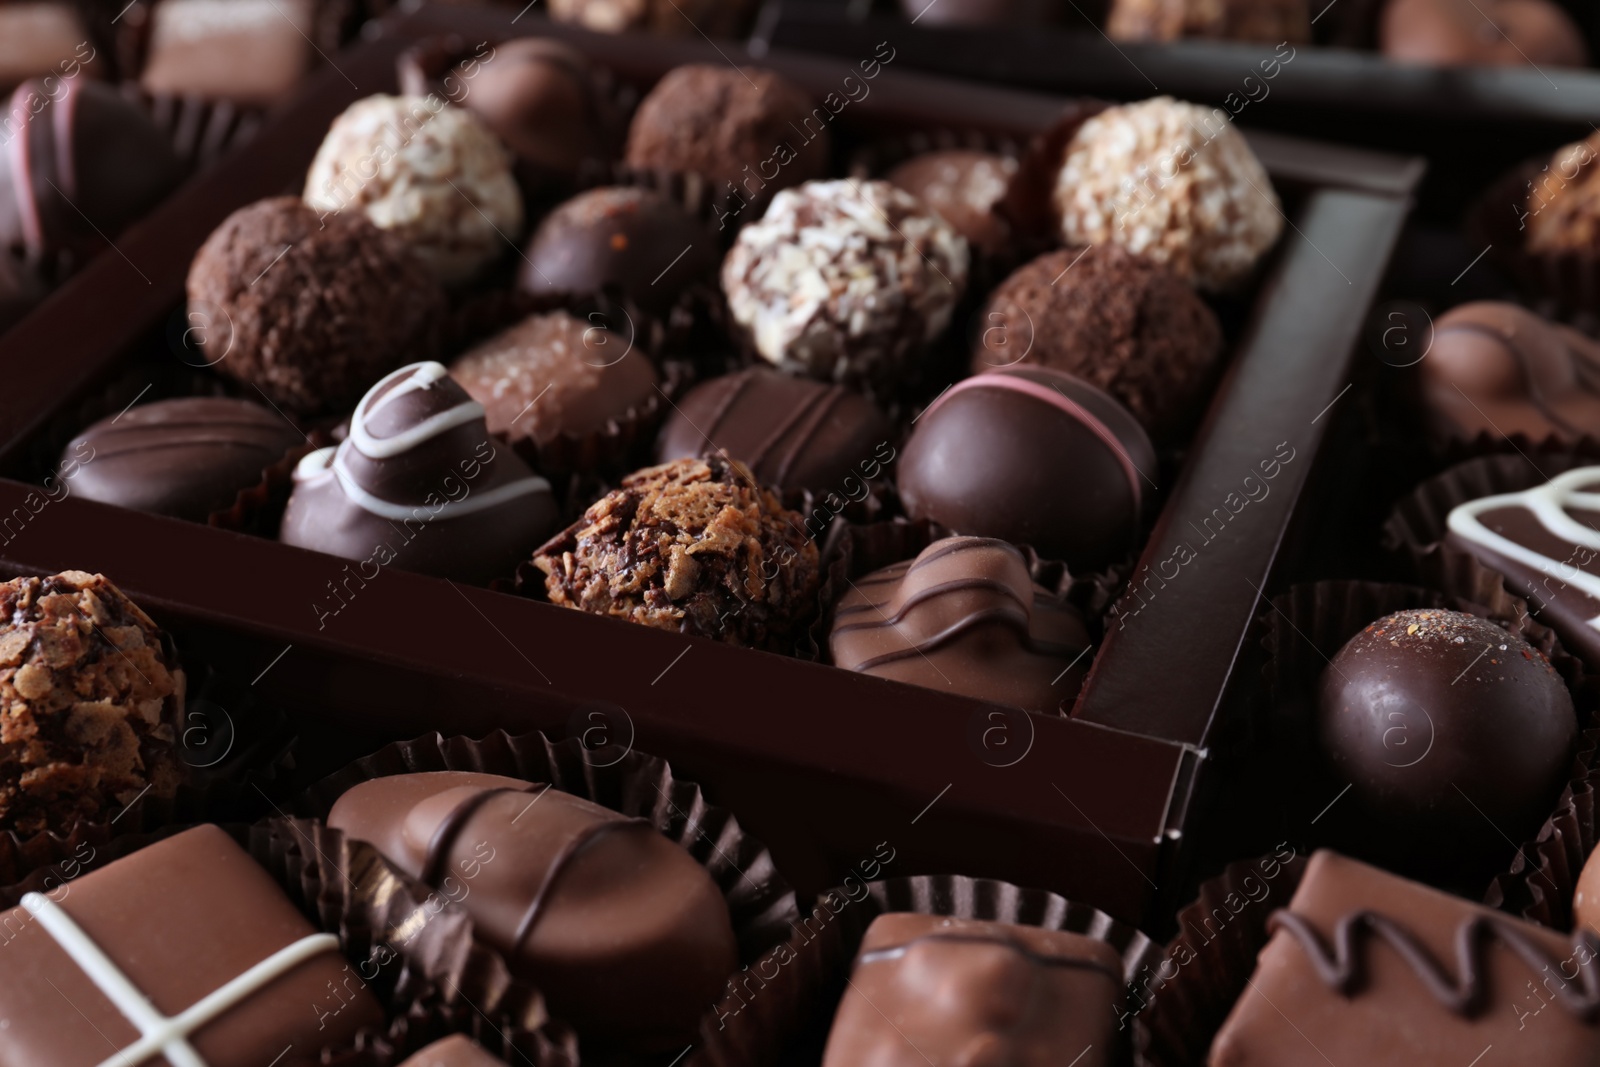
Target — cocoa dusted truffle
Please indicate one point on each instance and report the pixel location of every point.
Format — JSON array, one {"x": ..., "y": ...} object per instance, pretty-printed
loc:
[
  {"x": 964, "y": 617},
  {"x": 636, "y": 241},
  {"x": 1441, "y": 720},
  {"x": 309, "y": 311},
  {"x": 1115, "y": 319},
  {"x": 554, "y": 374},
  {"x": 1261, "y": 21},
  {"x": 426, "y": 170},
  {"x": 1365, "y": 967},
  {"x": 930, "y": 989},
  {"x": 90, "y": 704},
  {"x": 1446, "y": 33},
  {"x": 669, "y": 18},
  {"x": 693, "y": 546},
  {"x": 1562, "y": 213},
  {"x": 962, "y": 187},
  {"x": 745, "y": 126},
  {"x": 793, "y": 433},
  {"x": 542, "y": 99},
  {"x": 1174, "y": 181},
  {"x": 845, "y": 280},
  {"x": 1033, "y": 456}
]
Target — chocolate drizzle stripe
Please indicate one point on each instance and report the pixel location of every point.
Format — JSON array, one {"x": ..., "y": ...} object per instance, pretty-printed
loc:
[
  {"x": 896, "y": 952},
  {"x": 569, "y": 852},
  {"x": 966, "y": 544},
  {"x": 1524, "y": 366},
  {"x": 450, "y": 827},
  {"x": 816, "y": 412},
  {"x": 722, "y": 409},
  {"x": 1466, "y": 992},
  {"x": 955, "y": 585},
  {"x": 1006, "y": 614}
]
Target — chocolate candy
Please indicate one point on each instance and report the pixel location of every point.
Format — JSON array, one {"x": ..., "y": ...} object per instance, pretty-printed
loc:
[
  {"x": 928, "y": 989},
  {"x": 694, "y": 546},
  {"x": 457, "y": 1050},
  {"x": 81, "y": 162},
  {"x": 541, "y": 98},
  {"x": 1035, "y": 457},
  {"x": 251, "y": 52},
  {"x": 964, "y": 617},
  {"x": 1449, "y": 728},
  {"x": 626, "y": 935},
  {"x": 92, "y": 701},
  {"x": 962, "y": 187},
  {"x": 1547, "y": 541},
  {"x": 671, "y": 18},
  {"x": 183, "y": 952},
  {"x": 1365, "y": 967},
  {"x": 420, "y": 484},
  {"x": 1264, "y": 21},
  {"x": 40, "y": 38},
  {"x": 186, "y": 458},
  {"x": 1562, "y": 211},
  {"x": 631, "y": 239},
  {"x": 793, "y": 433},
  {"x": 984, "y": 12},
  {"x": 1586, "y": 897},
  {"x": 1500, "y": 369},
  {"x": 1450, "y": 33}
]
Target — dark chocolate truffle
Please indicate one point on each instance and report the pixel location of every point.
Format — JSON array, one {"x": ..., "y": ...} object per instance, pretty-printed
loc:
[
  {"x": 1562, "y": 212},
  {"x": 1546, "y": 540},
  {"x": 555, "y": 374},
  {"x": 1365, "y": 967},
  {"x": 541, "y": 98},
  {"x": 962, "y": 187},
  {"x": 845, "y": 280},
  {"x": 929, "y": 989},
  {"x": 694, "y": 546},
  {"x": 457, "y": 1050},
  {"x": 964, "y": 617},
  {"x": 1115, "y": 319},
  {"x": 252, "y": 52},
  {"x": 80, "y": 163},
  {"x": 184, "y": 951},
  {"x": 186, "y": 458},
  {"x": 1035, "y": 457},
  {"x": 1500, "y": 369},
  {"x": 631, "y": 239},
  {"x": 419, "y": 483},
  {"x": 750, "y": 128},
  {"x": 669, "y": 18},
  {"x": 1480, "y": 32},
  {"x": 1443, "y": 722},
  {"x": 309, "y": 309},
  {"x": 626, "y": 935},
  {"x": 90, "y": 704},
  {"x": 1261, "y": 21},
  {"x": 793, "y": 433}
]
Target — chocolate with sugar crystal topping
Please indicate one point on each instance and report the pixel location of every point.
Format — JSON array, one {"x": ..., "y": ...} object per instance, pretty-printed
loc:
[
  {"x": 930, "y": 989},
  {"x": 183, "y": 952},
  {"x": 1366, "y": 967},
  {"x": 964, "y": 617},
  {"x": 186, "y": 458},
  {"x": 628, "y": 937}
]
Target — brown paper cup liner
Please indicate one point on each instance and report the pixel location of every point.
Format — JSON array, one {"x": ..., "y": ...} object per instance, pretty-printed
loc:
[
  {"x": 760, "y": 900},
  {"x": 1188, "y": 994},
  {"x": 431, "y": 977},
  {"x": 794, "y": 991},
  {"x": 1564, "y": 283},
  {"x": 236, "y": 750},
  {"x": 1544, "y": 874}
]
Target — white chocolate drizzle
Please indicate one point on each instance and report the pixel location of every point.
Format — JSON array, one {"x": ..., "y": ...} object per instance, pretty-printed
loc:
[{"x": 160, "y": 1035}]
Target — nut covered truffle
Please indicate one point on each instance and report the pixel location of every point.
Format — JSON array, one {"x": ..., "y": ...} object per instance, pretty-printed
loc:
[
  {"x": 1115, "y": 319},
  {"x": 963, "y": 187},
  {"x": 1563, "y": 208},
  {"x": 89, "y": 704},
  {"x": 425, "y": 170},
  {"x": 845, "y": 280},
  {"x": 694, "y": 546},
  {"x": 309, "y": 311},
  {"x": 1174, "y": 181}
]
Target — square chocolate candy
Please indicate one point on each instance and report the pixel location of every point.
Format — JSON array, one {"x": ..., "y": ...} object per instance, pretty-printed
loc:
[
  {"x": 182, "y": 954},
  {"x": 247, "y": 51},
  {"x": 1365, "y": 967},
  {"x": 42, "y": 38}
]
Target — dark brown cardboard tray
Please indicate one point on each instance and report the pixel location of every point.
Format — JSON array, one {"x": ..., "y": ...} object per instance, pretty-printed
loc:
[{"x": 820, "y": 763}]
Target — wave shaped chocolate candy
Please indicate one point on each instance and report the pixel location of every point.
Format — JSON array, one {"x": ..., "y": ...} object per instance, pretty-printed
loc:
[
  {"x": 420, "y": 484},
  {"x": 964, "y": 617},
  {"x": 627, "y": 936},
  {"x": 1033, "y": 456}
]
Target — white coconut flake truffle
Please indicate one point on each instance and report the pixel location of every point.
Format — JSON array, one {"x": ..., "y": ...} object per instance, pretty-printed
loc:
[
  {"x": 1174, "y": 181},
  {"x": 844, "y": 280},
  {"x": 430, "y": 172}
]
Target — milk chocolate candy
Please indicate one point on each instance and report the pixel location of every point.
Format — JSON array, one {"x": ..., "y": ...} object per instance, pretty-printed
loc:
[
  {"x": 626, "y": 935},
  {"x": 44, "y": 38},
  {"x": 1546, "y": 540},
  {"x": 1365, "y": 967},
  {"x": 457, "y": 1050},
  {"x": 1500, "y": 369},
  {"x": 247, "y": 51},
  {"x": 183, "y": 953},
  {"x": 929, "y": 989}
]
